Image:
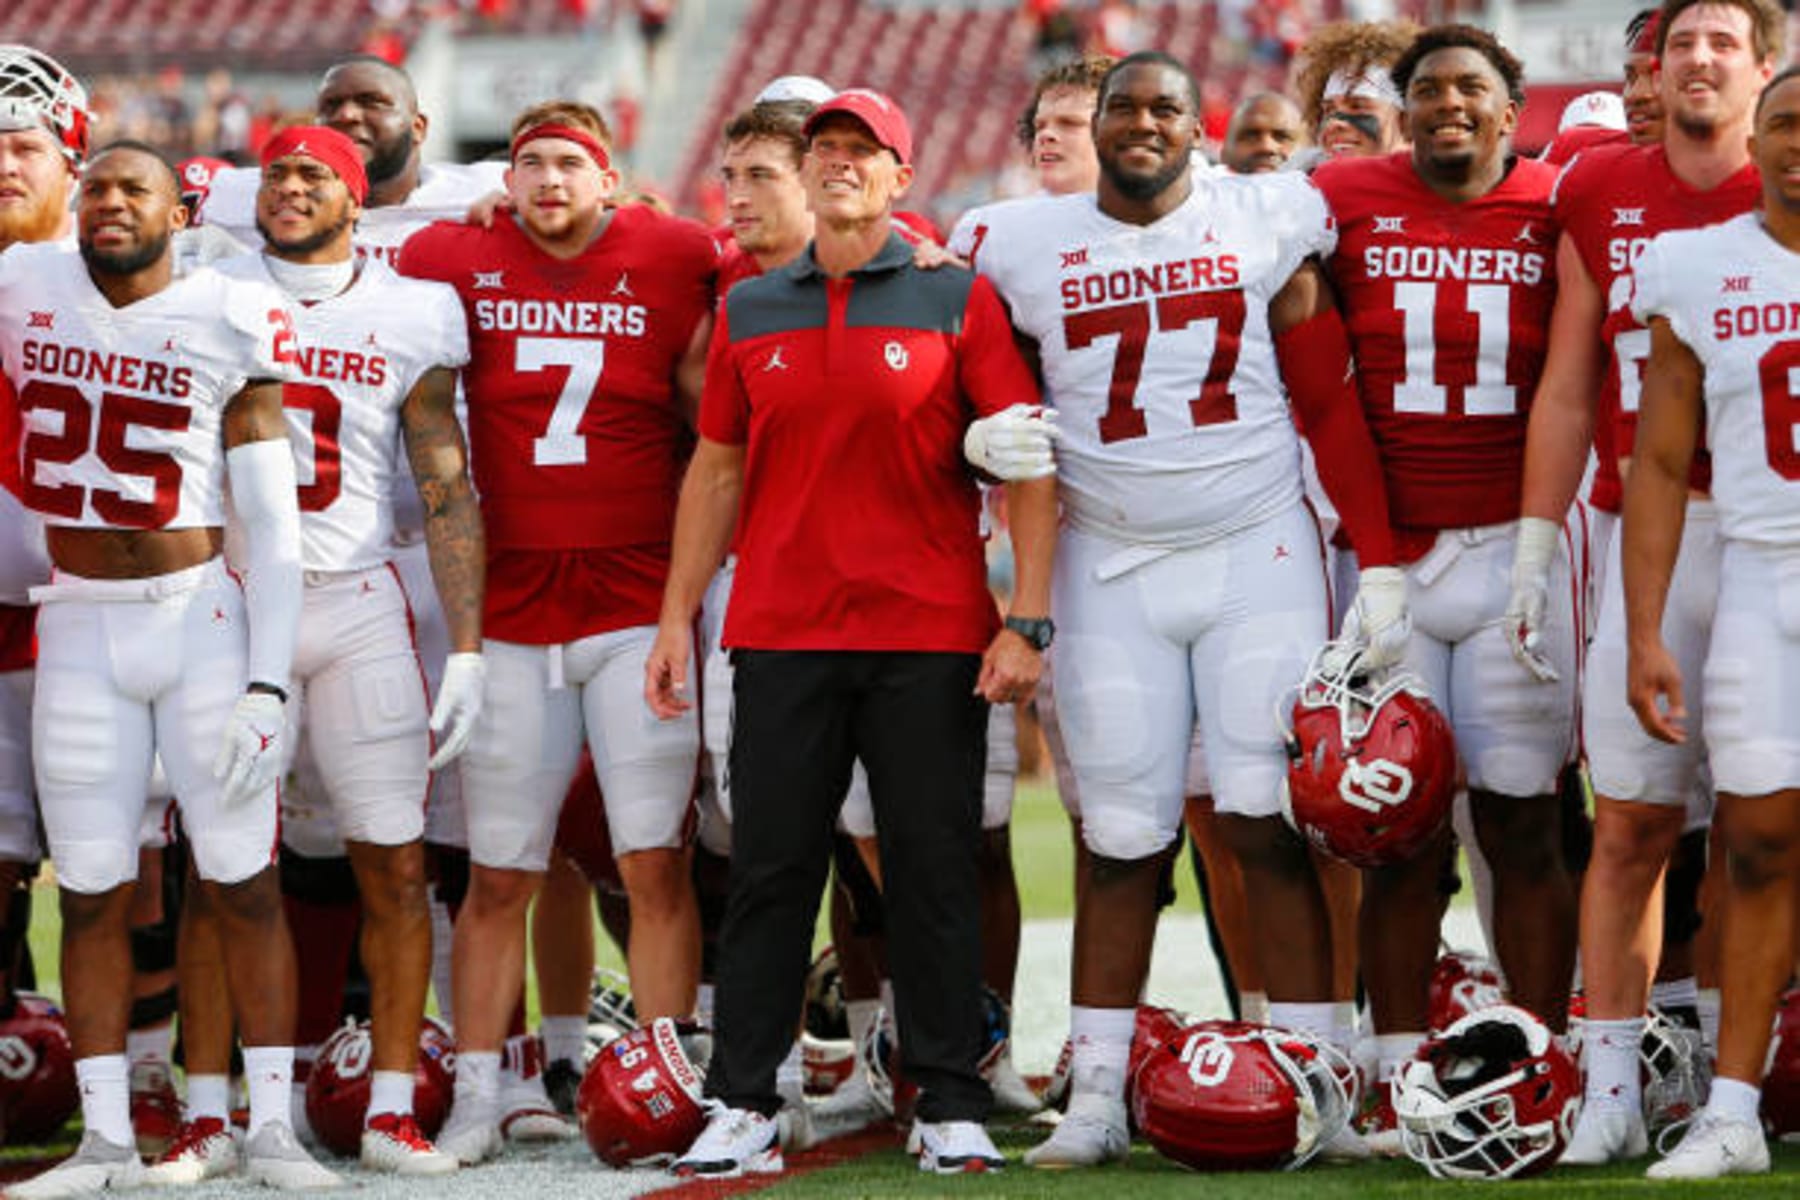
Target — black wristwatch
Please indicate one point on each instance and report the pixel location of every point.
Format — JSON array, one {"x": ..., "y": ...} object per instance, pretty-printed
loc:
[{"x": 1039, "y": 631}]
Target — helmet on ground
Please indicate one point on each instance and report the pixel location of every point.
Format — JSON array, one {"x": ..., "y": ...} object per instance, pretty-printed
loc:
[
  {"x": 640, "y": 1101},
  {"x": 337, "y": 1089},
  {"x": 38, "y": 1093}
]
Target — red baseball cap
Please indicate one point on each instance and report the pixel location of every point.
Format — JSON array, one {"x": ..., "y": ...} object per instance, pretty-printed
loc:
[{"x": 876, "y": 111}]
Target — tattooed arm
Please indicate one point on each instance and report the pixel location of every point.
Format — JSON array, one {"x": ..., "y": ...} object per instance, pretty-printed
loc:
[{"x": 453, "y": 533}]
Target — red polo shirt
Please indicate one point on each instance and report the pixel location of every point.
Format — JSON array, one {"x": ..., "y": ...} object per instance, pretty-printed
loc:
[{"x": 859, "y": 527}]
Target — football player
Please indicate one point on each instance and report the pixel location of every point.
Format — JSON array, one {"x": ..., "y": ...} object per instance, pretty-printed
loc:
[
  {"x": 376, "y": 370},
  {"x": 588, "y": 344},
  {"x": 43, "y": 138},
  {"x": 1609, "y": 203},
  {"x": 1445, "y": 272},
  {"x": 148, "y": 646},
  {"x": 1189, "y": 584},
  {"x": 1344, "y": 88},
  {"x": 1721, "y": 305}
]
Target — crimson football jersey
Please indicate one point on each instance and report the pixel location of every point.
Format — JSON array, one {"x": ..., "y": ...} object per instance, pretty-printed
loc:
[
  {"x": 1611, "y": 201},
  {"x": 1448, "y": 307},
  {"x": 576, "y": 437}
]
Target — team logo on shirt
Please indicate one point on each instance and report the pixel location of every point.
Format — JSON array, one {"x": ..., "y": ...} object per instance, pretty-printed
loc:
[
  {"x": 774, "y": 362},
  {"x": 1390, "y": 225},
  {"x": 1735, "y": 283},
  {"x": 623, "y": 287},
  {"x": 41, "y": 320},
  {"x": 489, "y": 280},
  {"x": 1526, "y": 234},
  {"x": 896, "y": 356},
  {"x": 1628, "y": 216},
  {"x": 1074, "y": 258}
]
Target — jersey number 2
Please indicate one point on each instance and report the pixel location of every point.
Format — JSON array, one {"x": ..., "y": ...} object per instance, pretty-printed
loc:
[{"x": 1133, "y": 324}]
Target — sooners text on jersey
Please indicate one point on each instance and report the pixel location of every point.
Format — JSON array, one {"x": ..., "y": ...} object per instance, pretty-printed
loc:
[
  {"x": 359, "y": 356},
  {"x": 1156, "y": 350},
  {"x": 123, "y": 407},
  {"x": 1448, "y": 307},
  {"x": 1611, "y": 201}
]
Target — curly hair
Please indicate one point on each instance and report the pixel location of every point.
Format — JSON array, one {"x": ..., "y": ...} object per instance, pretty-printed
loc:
[
  {"x": 1077, "y": 74},
  {"x": 1353, "y": 46},
  {"x": 1467, "y": 37}
]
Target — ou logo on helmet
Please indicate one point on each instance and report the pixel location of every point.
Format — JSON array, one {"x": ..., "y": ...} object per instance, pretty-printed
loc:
[
  {"x": 1208, "y": 1058},
  {"x": 17, "y": 1059},
  {"x": 350, "y": 1057},
  {"x": 1374, "y": 785}
]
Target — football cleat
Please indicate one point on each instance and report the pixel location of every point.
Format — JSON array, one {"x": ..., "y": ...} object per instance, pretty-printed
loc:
[
  {"x": 1714, "y": 1147},
  {"x": 1091, "y": 1134},
  {"x": 1605, "y": 1133},
  {"x": 204, "y": 1148},
  {"x": 472, "y": 1133},
  {"x": 155, "y": 1108},
  {"x": 96, "y": 1165},
  {"x": 956, "y": 1148},
  {"x": 275, "y": 1157},
  {"x": 526, "y": 1113},
  {"x": 393, "y": 1144}
]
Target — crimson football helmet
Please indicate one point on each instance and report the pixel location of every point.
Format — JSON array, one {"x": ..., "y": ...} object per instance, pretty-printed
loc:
[
  {"x": 640, "y": 1101},
  {"x": 337, "y": 1090},
  {"x": 1371, "y": 761},
  {"x": 37, "y": 1072},
  {"x": 197, "y": 179},
  {"x": 35, "y": 89},
  {"x": 1781, "y": 1086},
  {"x": 1230, "y": 1096},
  {"x": 1463, "y": 983},
  {"x": 1495, "y": 1096}
]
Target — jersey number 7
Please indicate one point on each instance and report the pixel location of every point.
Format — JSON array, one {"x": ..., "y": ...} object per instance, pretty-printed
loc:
[{"x": 1133, "y": 324}]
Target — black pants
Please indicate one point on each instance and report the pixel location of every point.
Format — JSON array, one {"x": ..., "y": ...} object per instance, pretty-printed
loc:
[{"x": 801, "y": 719}]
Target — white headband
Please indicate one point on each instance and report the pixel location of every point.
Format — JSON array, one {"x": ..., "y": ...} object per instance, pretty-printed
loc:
[{"x": 1371, "y": 85}]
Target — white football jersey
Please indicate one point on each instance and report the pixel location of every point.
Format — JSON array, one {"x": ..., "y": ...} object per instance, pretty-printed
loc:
[
  {"x": 445, "y": 192},
  {"x": 123, "y": 407},
  {"x": 1731, "y": 293},
  {"x": 1156, "y": 350},
  {"x": 360, "y": 355}
]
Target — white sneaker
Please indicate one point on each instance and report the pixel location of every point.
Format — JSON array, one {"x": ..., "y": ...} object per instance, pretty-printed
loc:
[
  {"x": 736, "y": 1141},
  {"x": 529, "y": 1114},
  {"x": 204, "y": 1149},
  {"x": 1092, "y": 1132},
  {"x": 1714, "y": 1147},
  {"x": 97, "y": 1164},
  {"x": 795, "y": 1118},
  {"x": 955, "y": 1148},
  {"x": 274, "y": 1156},
  {"x": 472, "y": 1134},
  {"x": 393, "y": 1144},
  {"x": 852, "y": 1106},
  {"x": 1606, "y": 1133},
  {"x": 1012, "y": 1095}
]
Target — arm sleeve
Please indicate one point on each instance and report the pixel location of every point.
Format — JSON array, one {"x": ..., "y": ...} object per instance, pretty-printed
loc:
[
  {"x": 1315, "y": 364},
  {"x": 989, "y": 366},
  {"x": 264, "y": 492},
  {"x": 724, "y": 406}
]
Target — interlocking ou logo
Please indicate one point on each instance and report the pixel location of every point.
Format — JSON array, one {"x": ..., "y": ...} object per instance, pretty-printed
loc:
[
  {"x": 1208, "y": 1059},
  {"x": 1374, "y": 785},
  {"x": 896, "y": 356},
  {"x": 18, "y": 1061},
  {"x": 350, "y": 1057}
]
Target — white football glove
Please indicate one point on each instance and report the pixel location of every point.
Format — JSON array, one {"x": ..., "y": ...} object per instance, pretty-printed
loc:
[
  {"x": 249, "y": 762},
  {"x": 1013, "y": 444},
  {"x": 1524, "y": 620},
  {"x": 1378, "y": 621},
  {"x": 458, "y": 705}
]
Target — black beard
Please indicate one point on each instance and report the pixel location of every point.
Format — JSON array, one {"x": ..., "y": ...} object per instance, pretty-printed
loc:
[
  {"x": 308, "y": 244},
  {"x": 1143, "y": 187},
  {"x": 120, "y": 264},
  {"x": 389, "y": 161}
]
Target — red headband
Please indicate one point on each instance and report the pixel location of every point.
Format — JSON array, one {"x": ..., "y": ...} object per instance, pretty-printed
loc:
[
  {"x": 327, "y": 146},
  {"x": 568, "y": 133}
]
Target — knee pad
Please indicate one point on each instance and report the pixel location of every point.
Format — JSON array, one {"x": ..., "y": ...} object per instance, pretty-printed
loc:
[
  {"x": 1681, "y": 890},
  {"x": 866, "y": 909},
  {"x": 327, "y": 882}
]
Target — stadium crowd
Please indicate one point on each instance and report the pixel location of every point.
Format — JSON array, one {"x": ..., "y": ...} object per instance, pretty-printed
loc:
[{"x": 400, "y": 559}]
